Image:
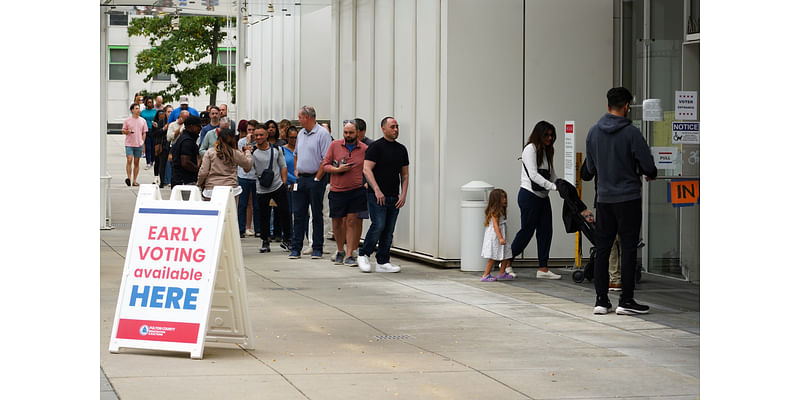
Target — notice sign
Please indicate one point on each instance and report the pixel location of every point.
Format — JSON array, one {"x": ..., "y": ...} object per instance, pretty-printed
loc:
[
  {"x": 685, "y": 132},
  {"x": 569, "y": 151},
  {"x": 665, "y": 157},
  {"x": 168, "y": 280},
  {"x": 686, "y": 105},
  {"x": 683, "y": 193}
]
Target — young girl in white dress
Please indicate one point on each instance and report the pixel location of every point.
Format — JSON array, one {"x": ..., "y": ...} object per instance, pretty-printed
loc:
[{"x": 495, "y": 247}]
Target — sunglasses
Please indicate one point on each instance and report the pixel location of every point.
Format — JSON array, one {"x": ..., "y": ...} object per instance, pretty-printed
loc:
[{"x": 348, "y": 121}]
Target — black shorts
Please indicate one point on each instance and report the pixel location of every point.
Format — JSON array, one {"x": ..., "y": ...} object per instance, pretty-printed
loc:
[{"x": 349, "y": 202}]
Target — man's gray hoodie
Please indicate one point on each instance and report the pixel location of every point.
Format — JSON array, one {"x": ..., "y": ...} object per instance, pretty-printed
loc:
[{"x": 618, "y": 154}]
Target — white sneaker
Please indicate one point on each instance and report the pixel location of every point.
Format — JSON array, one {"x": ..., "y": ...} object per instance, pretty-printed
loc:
[
  {"x": 147, "y": 166},
  {"x": 511, "y": 272},
  {"x": 307, "y": 251},
  {"x": 363, "y": 264},
  {"x": 249, "y": 232},
  {"x": 388, "y": 267},
  {"x": 547, "y": 275}
]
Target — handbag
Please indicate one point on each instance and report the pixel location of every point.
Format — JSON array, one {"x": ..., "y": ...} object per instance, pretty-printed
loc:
[
  {"x": 268, "y": 175},
  {"x": 545, "y": 173}
]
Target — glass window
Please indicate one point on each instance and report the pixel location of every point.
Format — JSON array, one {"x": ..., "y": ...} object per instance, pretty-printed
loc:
[
  {"x": 118, "y": 63},
  {"x": 162, "y": 77},
  {"x": 118, "y": 19},
  {"x": 227, "y": 57}
]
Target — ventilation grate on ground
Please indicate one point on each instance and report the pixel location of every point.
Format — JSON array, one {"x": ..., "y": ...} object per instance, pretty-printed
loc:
[
  {"x": 121, "y": 224},
  {"x": 392, "y": 337}
]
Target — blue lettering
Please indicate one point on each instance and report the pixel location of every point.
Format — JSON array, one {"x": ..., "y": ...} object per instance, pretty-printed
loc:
[
  {"x": 136, "y": 295},
  {"x": 174, "y": 294},
  {"x": 155, "y": 299},
  {"x": 164, "y": 297},
  {"x": 190, "y": 299}
]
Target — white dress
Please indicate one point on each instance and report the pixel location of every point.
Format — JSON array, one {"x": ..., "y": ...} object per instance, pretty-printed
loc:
[{"x": 491, "y": 243}]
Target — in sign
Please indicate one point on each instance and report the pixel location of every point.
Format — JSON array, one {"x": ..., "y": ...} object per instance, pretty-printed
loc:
[{"x": 684, "y": 192}]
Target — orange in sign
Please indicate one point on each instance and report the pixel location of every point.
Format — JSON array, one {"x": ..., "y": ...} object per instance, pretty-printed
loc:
[{"x": 684, "y": 192}]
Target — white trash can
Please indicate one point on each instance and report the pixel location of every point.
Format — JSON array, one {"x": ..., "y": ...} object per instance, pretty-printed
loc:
[{"x": 475, "y": 197}]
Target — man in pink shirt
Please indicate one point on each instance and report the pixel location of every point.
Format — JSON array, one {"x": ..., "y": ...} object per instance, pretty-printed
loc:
[
  {"x": 344, "y": 161},
  {"x": 135, "y": 130}
]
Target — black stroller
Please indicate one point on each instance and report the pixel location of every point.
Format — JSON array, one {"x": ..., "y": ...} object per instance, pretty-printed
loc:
[{"x": 574, "y": 221}]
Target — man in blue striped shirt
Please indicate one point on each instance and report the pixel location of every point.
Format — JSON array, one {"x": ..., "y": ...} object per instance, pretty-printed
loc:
[{"x": 312, "y": 144}]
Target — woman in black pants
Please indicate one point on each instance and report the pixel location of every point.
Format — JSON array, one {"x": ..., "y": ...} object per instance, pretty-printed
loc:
[
  {"x": 536, "y": 182},
  {"x": 160, "y": 146}
]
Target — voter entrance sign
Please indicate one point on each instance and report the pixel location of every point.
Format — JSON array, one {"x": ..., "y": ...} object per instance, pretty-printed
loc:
[{"x": 183, "y": 282}]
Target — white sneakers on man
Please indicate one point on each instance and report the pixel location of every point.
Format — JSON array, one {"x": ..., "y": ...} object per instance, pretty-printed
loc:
[
  {"x": 363, "y": 264},
  {"x": 388, "y": 267}
]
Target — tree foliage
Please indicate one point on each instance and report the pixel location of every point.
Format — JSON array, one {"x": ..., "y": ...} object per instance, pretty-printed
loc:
[{"x": 180, "y": 52}]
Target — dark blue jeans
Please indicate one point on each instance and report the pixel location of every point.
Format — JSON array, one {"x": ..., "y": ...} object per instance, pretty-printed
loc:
[
  {"x": 248, "y": 191},
  {"x": 148, "y": 149},
  {"x": 536, "y": 216},
  {"x": 309, "y": 193},
  {"x": 381, "y": 231}
]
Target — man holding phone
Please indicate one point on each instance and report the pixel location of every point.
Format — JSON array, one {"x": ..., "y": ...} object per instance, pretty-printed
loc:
[{"x": 344, "y": 161}]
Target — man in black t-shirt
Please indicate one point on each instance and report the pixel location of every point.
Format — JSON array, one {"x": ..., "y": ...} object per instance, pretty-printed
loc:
[
  {"x": 185, "y": 153},
  {"x": 386, "y": 170}
]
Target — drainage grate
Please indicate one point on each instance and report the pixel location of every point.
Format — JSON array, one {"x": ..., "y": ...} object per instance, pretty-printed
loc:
[
  {"x": 121, "y": 224},
  {"x": 392, "y": 337},
  {"x": 284, "y": 288}
]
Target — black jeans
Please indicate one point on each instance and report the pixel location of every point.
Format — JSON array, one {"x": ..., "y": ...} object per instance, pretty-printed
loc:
[
  {"x": 623, "y": 219},
  {"x": 282, "y": 211}
]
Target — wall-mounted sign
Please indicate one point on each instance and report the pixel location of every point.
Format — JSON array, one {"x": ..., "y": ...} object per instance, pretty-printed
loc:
[
  {"x": 685, "y": 132},
  {"x": 652, "y": 110},
  {"x": 569, "y": 151},
  {"x": 665, "y": 157},
  {"x": 686, "y": 105},
  {"x": 683, "y": 193}
]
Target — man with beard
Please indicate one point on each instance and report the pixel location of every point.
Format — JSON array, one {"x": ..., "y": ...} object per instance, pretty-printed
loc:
[{"x": 344, "y": 161}]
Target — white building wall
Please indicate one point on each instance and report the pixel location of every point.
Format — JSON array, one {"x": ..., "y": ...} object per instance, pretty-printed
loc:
[
  {"x": 467, "y": 81},
  {"x": 290, "y": 63}
]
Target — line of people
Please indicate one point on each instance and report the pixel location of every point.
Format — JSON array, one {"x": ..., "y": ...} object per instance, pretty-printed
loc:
[{"x": 280, "y": 175}]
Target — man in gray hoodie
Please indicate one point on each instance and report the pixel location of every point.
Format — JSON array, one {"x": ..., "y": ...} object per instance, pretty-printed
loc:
[{"x": 618, "y": 154}]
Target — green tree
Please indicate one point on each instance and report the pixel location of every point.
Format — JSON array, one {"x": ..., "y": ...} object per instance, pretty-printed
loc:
[{"x": 194, "y": 39}]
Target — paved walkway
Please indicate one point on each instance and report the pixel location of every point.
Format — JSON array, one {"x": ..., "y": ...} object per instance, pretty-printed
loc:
[{"x": 332, "y": 332}]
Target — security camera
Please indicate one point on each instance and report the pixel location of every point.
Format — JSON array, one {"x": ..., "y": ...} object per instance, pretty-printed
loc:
[{"x": 247, "y": 62}]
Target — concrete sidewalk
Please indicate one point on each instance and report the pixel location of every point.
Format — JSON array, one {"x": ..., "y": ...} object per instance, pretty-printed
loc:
[{"x": 332, "y": 332}]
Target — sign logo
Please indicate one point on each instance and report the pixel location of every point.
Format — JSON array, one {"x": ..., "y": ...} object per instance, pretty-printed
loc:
[{"x": 143, "y": 330}]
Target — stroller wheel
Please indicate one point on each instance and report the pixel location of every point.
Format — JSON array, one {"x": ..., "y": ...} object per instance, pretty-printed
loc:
[{"x": 577, "y": 276}]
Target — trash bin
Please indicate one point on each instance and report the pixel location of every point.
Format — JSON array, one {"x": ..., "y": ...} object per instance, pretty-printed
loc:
[{"x": 475, "y": 196}]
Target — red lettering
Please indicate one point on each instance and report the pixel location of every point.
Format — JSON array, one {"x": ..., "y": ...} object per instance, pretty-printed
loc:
[
  {"x": 198, "y": 275},
  {"x": 176, "y": 232},
  {"x": 199, "y": 255},
  {"x": 143, "y": 255},
  {"x": 151, "y": 233},
  {"x": 196, "y": 233},
  {"x": 163, "y": 234}
]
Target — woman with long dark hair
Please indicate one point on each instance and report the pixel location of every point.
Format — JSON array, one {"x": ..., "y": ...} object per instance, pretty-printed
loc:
[
  {"x": 160, "y": 146},
  {"x": 219, "y": 164},
  {"x": 536, "y": 182}
]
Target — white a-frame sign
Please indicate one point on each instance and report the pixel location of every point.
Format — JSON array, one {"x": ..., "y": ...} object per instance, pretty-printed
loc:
[{"x": 184, "y": 281}]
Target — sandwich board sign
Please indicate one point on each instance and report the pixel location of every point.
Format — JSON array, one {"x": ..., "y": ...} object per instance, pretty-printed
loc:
[{"x": 183, "y": 282}]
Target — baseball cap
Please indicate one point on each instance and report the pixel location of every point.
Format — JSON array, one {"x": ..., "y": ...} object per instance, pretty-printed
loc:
[{"x": 184, "y": 100}]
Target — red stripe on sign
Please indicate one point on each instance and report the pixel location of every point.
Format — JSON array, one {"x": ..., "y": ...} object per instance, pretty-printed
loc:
[{"x": 157, "y": 331}]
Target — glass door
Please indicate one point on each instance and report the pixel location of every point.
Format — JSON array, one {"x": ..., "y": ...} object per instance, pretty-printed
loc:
[{"x": 653, "y": 66}]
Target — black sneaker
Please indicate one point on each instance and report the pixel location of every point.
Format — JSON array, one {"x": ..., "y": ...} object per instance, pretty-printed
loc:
[
  {"x": 241, "y": 235},
  {"x": 264, "y": 247},
  {"x": 602, "y": 306},
  {"x": 631, "y": 307},
  {"x": 286, "y": 246}
]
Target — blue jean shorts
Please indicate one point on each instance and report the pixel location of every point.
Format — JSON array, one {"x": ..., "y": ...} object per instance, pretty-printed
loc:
[{"x": 136, "y": 152}]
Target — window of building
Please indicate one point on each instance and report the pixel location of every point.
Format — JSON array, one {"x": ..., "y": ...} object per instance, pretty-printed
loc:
[
  {"x": 162, "y": 77},
  {"x": 118, "y": 19},
  {"x": 118, "y": 63},
  {"x": 227, "y": 58}
]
